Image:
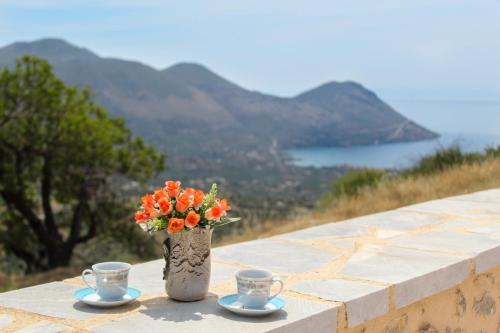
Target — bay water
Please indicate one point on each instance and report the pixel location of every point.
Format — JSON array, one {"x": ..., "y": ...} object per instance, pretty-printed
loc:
[{"x": 473, "y": 125}]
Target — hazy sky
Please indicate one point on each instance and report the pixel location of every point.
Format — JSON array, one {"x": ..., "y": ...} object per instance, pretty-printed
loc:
[{"x": 400, "y": 49}]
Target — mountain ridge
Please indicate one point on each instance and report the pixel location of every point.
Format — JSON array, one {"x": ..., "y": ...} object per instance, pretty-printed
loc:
[{"x": 188, "y": 96}]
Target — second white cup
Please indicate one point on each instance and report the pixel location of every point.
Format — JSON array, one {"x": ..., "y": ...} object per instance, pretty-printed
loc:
[{"x": 254, "y": 287}]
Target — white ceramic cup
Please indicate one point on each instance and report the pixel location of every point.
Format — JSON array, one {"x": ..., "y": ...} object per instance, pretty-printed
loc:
[
  {"x": 254, "y": 287},
  {"x": 111, "y": 279}
]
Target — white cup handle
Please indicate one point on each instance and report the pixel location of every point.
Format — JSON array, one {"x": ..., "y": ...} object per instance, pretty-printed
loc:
[
  {"x": 277, "y": 279},
  {"x": 84, "y": 274}
]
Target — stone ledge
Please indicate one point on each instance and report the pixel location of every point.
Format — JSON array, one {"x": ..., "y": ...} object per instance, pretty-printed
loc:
[{"x": 338, "y": 275}]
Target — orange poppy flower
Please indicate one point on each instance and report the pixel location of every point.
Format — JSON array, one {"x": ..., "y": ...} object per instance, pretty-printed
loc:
[
  {"x": 173, "y": 188},
  {"x": 214, "y": 213},
  {"x": 224, "y": 205},
  {"x": 160, "y": 194},
  {"x": 189, "y": 190},
  {"x": 175, "y": 225},
  {"x": 192, "y": 219},
  {"x": 165, "y": 206},
  {"x": 198, "y": 198},
  {"x": 140, "y": 217},
  {"x": 148, "y": 202},
  {"x": 183, "y": 203}
]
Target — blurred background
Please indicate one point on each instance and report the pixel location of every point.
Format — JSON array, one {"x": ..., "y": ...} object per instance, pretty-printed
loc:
[{"x": 302, "y": 112}]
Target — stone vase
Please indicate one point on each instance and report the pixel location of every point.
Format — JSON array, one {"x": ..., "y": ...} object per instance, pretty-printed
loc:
[{"x": 187, "y": 264}]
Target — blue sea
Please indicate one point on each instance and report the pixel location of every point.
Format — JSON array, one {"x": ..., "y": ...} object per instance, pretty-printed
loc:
[{"x": 474, "y": 125}]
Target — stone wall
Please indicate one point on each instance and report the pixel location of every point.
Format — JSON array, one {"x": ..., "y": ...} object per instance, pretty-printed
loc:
[
  {"x": 427, "y": 268},
  {"x": 471, "y": 307}
]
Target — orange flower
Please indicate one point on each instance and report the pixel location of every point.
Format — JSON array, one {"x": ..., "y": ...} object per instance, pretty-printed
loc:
[
  {"x": 173, "y": 188},
  {"x": 165, "y": 206},
  {"x": 160, "y": 194},
  {"x": 152, "y": 213},
  {"x": 148, "y": 202},
  {"x": 198, "y": 198},
  {"x": 140, "y": 217},
  {"x": 224, "y": 205},
  {"x": 214, "y": 213},
  {"x": 189, "y": 190},
  {"x": 175, "y": 225},
  {"x": 183, "y": 203},
  {"x": 192, "y": 219}
]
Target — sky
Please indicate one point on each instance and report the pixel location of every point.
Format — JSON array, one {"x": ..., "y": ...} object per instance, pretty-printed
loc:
[{"x": 446, "y": 49}]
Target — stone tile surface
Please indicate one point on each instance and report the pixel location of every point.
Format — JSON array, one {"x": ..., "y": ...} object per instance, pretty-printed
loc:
[
  {"x": 343, "y": 243},
  {"x": 492, "y": 230},
  {"x": 458, "y": 224},
  {"x": 415, "y": 274},
  {"x": 397, "y": 220},
  {"x": 163, "y": 315},
  {"x": 487, "y": 260},
  {"x": 53, "y": 299},
  {"x": 5, "y": 320},
  {"x": 471, "y": 209},
  {"x": 275, "y": 255},
  {"x": 45, "y": 327},
  {"x": 335, "y": 230},
  {"x": 483, "y": 196},
  {"x": 363, "y": 301},
  {"x": 447, "y": 241}
]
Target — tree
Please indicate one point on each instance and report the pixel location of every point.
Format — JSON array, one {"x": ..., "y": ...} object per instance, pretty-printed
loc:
[{"x": 61, "y": 156}]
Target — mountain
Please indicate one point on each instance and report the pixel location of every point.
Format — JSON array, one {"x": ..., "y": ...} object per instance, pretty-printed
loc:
[
  {"x": 216, "y": 131},
  {"x": 189, "y": 101}
]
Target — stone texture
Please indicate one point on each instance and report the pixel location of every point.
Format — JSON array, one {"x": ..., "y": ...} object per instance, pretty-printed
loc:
[
  {"x": 487, "y": 260},
  {"x": 415, "y": 274},
  {"x": 492, "y": 196},
  {"x": 427, "y": 328},
  {"x": 492, "y": 230},
  {"x": 490, "y": 258},
  {"x": 461, "y": 303},
  {"x": 45, "y": 327},
  {"x": 485, "y": 306},
  {"x": 275, "y": 255},
  {"x": 363, "y": 301},
  {"x": 343, "y": 243},
  {"x": 53, "y": 299},
  {"x": 458, "y": 208},
  {"x": 335, "y": 230},
  {"x": 458, "y": 224},
  {"x": 163, "y": 315},
  {"x": 397, "y": 325},
  {"x": 447, "y": 241},
  {"x": 397, "y": 220},
  {"x": 5, "y": 320}
]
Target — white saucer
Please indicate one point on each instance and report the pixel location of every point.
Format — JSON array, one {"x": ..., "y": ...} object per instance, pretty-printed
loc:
[
  {"x": 233, "y": 304},
  {"x": 90, "y": 297}
]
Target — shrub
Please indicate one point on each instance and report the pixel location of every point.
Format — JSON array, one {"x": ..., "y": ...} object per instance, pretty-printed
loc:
[
  {"x": 442, "y": 159},
  {"x": 352, "y": 182}
]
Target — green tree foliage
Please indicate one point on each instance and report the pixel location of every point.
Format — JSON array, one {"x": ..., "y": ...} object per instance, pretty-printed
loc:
[{"x": 61, "y": 158}]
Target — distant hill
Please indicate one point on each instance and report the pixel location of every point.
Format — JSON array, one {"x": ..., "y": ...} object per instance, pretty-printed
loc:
[{"x": 187, "y": 102}]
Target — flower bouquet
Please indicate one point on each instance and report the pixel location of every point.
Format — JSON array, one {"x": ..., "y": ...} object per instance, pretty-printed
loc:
[{"x": 189, "y": 217}]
